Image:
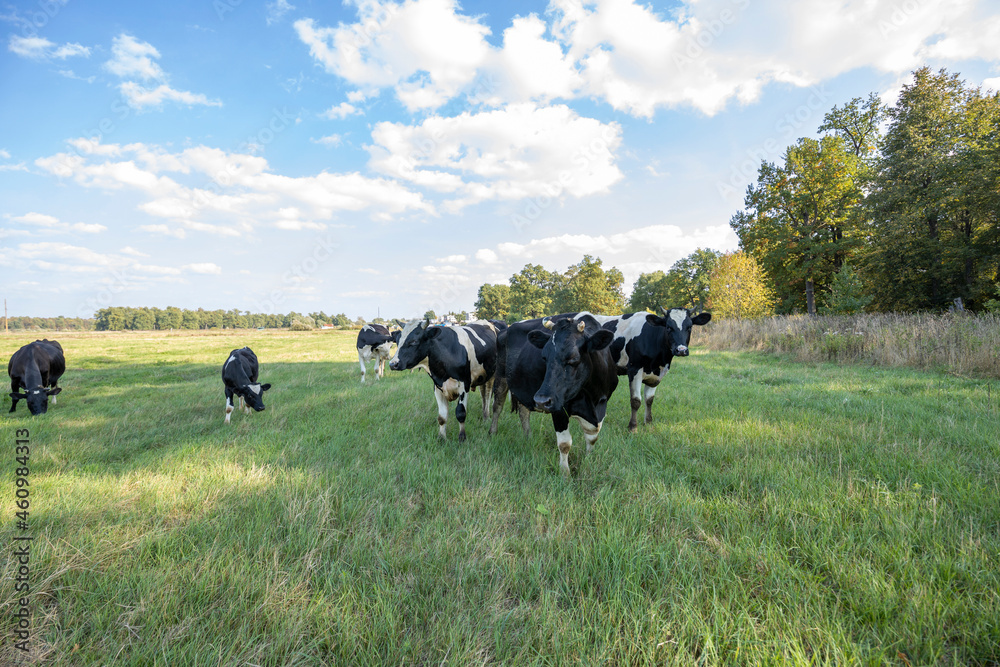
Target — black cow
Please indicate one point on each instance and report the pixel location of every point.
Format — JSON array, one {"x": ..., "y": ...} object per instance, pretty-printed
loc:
[
  {"x": 239, "y": 374},
  {"x": 643, "y": 348},
  {"x": 36, "y": 368},
  {"x": 374, "y": 342},
  {"x": 458, "y": 358},
  {"x": 560, "y": 365}
]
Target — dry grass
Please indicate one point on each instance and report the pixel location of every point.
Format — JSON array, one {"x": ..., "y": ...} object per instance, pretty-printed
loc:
[{"x": 962, "y": 344}]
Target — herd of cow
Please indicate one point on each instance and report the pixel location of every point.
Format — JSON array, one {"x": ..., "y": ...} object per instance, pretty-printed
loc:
[{"x": 566, "y": 365}]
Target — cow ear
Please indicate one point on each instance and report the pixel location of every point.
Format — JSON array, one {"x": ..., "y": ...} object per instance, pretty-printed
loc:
[
  {"x": 539, "y": 338},
  {"x": 656, "y": 320},
  {"x": 395, "y": 337},
  {"x": 53, "y": 392},
  {"x": 432, "y": 332},
  {"x": 265, "y": 387},
  {"x": 701, "y": 319},
  {"x": 599, "y": 340},
  {"x": 16, "y": 395}
]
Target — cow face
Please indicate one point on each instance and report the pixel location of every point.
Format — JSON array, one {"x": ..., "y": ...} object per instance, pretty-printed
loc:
[
  {"x": 253, "y": 395},
  {"x": 411, "y": 344},
  {"x": 566, "y": 351},
  {"x": 678, "y": 323},
  {"x": 395, "y": 336},
  {"x": 37, "y": 398}
]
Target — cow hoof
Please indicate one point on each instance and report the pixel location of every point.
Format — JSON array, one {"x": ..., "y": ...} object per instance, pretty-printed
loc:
[
  {"x": 461, "y": 437},
  {"x": 633, "y": 428}
]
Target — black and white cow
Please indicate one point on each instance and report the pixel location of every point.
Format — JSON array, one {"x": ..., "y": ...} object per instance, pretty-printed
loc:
[
  {"x": 643, "y": 348},
  {"x": 374, "y": 342},
  {"x": 36, "y": 368},
  {"x": 239, "y": 374},
  {"x": 560, "y": 365},
  {"x": 458, "y": 359}
]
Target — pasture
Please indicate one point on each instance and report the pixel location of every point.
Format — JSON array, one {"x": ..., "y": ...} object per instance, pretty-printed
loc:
[{"x": 775, "y": 513}]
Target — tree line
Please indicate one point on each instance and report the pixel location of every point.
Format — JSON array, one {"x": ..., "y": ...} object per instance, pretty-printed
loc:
[{"x": 126, "y": 318}]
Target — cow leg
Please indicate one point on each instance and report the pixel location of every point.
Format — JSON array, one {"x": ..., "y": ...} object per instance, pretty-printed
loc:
[
  {"x": 380, "y": 371},
  {"x": 487, "y": 390},
  {"x": 442, "y": 402},
  {"x": 564, "y": 441},
  {"x": 590, "y": 433},
  {"x": 460, "y": 412},
  {"x": 525, "y": 415},
  {"x": 635, "y": 395},
  {"x": 14, "y": 386},
  {"x": 650, "y": 395},
  {"x": 499, "y": 399},
  {"x": 361, "y": 360},
  {"x": 243, "y": 404},
  {"x": 229, "y": 403}
]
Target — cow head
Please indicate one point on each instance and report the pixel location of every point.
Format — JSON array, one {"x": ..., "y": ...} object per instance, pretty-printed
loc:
[
  {"x": 567, "y": 349},
  {"x": 37, "y": 398},
  {"x": 395, "y": 335},
  {"x": 412, "y": 343},
  {"x": 678, "y": 324},
  {"x": 253, "y": 394}
]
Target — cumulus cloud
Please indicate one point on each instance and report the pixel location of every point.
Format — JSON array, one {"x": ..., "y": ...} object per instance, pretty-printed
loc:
[
  {"x": 33, "y": 219},
  {"x": 704, "y": 54},
  {"x": 511, "y": 153},
  {"x": 341, "y": 111},
  {"x": 204, "y": 189},
  {"x": 135, "y": 61},
  {"x": 276, "y": 10}
]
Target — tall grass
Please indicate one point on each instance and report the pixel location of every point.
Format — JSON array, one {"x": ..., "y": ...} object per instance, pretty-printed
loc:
[
  {"x": 960, "y": 343},
  {"x": 775, "y": 513}
]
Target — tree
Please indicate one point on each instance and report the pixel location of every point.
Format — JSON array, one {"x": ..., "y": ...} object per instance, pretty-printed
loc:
[
  {"x": 800, "y": 218},
  {"x": 493, "y": 302},
  {"x": 847, "y": 293},
  {"x": 531, "y": 292},
  {"x": 587, "y": 286},
  {"x": 685, "y": 285},
  {"x": 933, "y": 207},
  {"x": 739, "y": 288},
  {"x": 430, "y": 315},
  {"x": 649, "y": 291}
]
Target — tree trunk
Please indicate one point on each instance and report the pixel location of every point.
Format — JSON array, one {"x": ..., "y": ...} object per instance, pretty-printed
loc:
[{"x": 810, "y": 297}]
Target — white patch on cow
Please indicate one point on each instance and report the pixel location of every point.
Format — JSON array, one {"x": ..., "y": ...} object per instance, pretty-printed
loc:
[
  {"x": 452, "y": 389},
  {"x": 37, "y": 391},
  {"x": 653, "y": 379},
  {"x": 590, "y": 432},
  {"x": 53, "y": 397},
  {"x": 362, "y": 360},
  {"x": 442, "y": 412},
  {"x": 564, "y": 441},
  {"x": 464, "y": 334},
  {"x": 677, "y": 316},
  {"x": 231, "y": 358},
  {"x": 407, "y": 330},
  {"x": 255, "y": 388},
  {"x": 229, "y": 409}
]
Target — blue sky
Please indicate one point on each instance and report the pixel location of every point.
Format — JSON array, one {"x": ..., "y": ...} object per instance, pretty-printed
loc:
[{"x": 382, "y": 157}]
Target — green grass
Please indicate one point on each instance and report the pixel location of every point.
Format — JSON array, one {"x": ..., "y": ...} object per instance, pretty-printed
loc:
[{"x": 775, "y": 513}]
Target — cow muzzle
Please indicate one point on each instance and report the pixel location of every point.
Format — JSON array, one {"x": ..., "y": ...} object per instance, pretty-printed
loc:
[
  {"x": 681, "y": 351},
  {"x": 544, "y": 402}
]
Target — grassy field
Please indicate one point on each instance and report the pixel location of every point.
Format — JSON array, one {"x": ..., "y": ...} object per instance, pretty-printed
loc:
[{"x": 775, "y": 513}]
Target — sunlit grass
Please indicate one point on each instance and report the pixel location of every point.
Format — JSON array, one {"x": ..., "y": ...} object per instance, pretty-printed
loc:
[{"x": 775, "y": 513}]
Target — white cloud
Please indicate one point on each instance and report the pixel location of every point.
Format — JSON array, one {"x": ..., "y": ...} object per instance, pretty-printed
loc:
[
  {"x": 39, "y": 48},
  {"x": 276, "y": 10},
  {"x": 992, "y": 84},
  {"x": 340, "y": 111},
  {"x": 705, "y": 54},
  {"x": 330, "y": 141},
  {"x": 134, "y": 59},
  {"x": 206, "y": 268},
  {"x": 52, "y": 222},
  {"x": 138, "y": 97},
  {"x": 423, "y": 48},
  {"x": 203, "y": 189},
  {"x": 516, "y": 152}
]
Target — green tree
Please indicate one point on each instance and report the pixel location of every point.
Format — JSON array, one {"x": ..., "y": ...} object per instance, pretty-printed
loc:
[
  {"x": 143, "y": 320},
  {"x": 847, "y": 293},
  {"x": 685, "y": 285},
  {"x": 933, "y": 206},
  {"x": 430, "y": 315},
  {"x": 191, "y": 319},
  {"x": 800, "y": 218},
  {"x": 493, "y": 302},
  {"x": 587, "y": 286},
  {"x": 531, "y": 292},
  {"x": 739, "y": 288},
  {"x": 649, "y": 291}
]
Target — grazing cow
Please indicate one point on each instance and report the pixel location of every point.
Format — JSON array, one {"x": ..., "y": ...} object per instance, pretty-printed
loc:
[
  {"x": 644, "y": 347},
  {"x": 239, "y": 374},
  {"x": 458, "y": 359},
  {"x": 374, "y": 341},
  {"x": 36, "y": 368},
  {"x": 560, "y": 365}
]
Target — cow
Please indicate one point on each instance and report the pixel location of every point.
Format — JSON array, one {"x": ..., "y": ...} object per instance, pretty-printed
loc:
[
  {"x": 457, "y": 358},
  {"x": 36, "y": 368},
  {"x": 239, "y": 375},
  {"x": 562, "y": 366},
  {"x": 644, "y": 347},
  {"x": 374, "y": 342}
]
